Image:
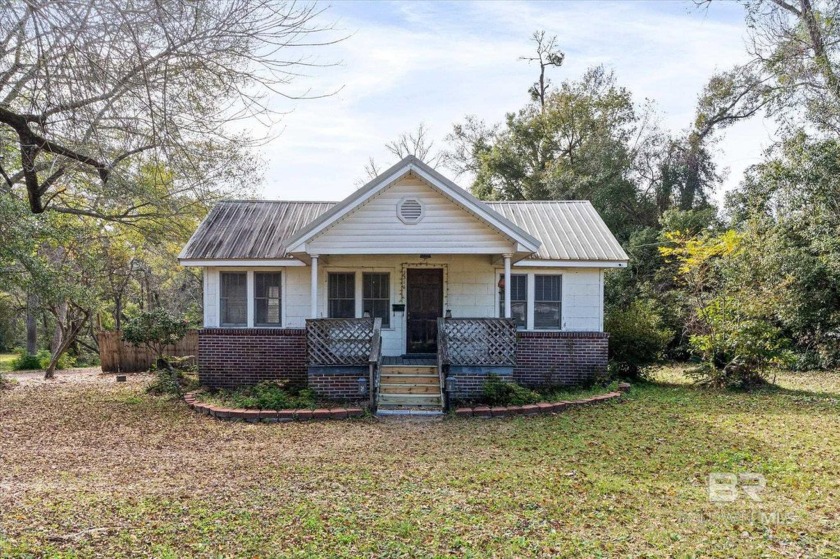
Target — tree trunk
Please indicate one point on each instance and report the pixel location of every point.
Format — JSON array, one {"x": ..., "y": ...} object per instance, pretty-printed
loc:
[
  {"x": 118, "y": 313},
  {"x": 31, "y": 324}
]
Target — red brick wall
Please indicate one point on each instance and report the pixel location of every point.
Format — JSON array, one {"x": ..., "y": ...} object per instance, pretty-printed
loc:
[
  {"x": 560, "y": 358},
  {"x": 338, "y": 386},
  {"x": 232, "y": 357}
]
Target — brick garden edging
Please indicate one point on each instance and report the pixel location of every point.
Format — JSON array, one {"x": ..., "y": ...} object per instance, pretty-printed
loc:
[
  {"x": 274, "y": 416},
  {"x": 269, "y": 416},
  {"x": 541, "y": 407}
]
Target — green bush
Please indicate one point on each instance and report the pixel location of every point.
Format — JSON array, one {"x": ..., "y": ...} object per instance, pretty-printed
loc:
[
  {"x": 738, "y": 347},
  {"x": 267, "y": 395},
  {"x": 155, "y": 330},
  {"x": 638, "y": 337},
  {"x": 498, "y": 392},
  {"x": 26, "y": 361}
]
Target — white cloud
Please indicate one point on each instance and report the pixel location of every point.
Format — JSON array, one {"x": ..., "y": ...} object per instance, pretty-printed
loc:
[{"x": 435, "y": 63}]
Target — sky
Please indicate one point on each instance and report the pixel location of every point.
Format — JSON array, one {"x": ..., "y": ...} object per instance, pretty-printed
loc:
[{"x": 406, "y": 63}]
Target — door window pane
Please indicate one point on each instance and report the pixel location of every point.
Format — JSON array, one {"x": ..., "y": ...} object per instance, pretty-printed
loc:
[
  {"x": 547, "y": 301},
  {"x": 518, "y": 299},
  {"x": 341, "y": 293},
  {"x": 376, "y": 296},
  {"x": 233, "y": 299},
  {"x": 267, "y": 304}
]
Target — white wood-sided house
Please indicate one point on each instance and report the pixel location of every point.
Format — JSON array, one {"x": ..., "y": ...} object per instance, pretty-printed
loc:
[{"x": 407, "y": 291}]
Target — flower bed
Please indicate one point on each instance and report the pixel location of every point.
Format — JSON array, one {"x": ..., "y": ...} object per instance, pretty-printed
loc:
[
  {"x": 269, "y": 416},
  {"x": 540, "y": 407}
]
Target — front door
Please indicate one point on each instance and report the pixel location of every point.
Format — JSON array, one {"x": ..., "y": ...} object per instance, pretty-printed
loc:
[{"x": 424, "y": 291}]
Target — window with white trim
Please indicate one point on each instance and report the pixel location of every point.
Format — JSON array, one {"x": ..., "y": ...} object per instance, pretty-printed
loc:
[
  {"x": 518, "y": 299},
  {"x": 548, "y": 296},
  {"x": 341, "y": 295},
  {"x": 267, "y": 299},
  {"x": 376, "y": 296},
  {"x": 233, "y": 298}
]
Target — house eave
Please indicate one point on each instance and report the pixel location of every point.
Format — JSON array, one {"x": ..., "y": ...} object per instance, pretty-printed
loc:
[
  {"x": 239, "y": 262},
  {"x": 527, "y": 263}
]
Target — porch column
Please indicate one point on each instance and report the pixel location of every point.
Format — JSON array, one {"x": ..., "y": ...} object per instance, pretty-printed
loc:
[
  {"x": 313, "y": 287},
  {"x": 507, "y": 285}
]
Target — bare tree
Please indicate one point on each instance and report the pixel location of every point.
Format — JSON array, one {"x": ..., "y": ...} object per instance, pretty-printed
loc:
[
  {"x": 548, "y": 54},
  {"x": 91, "y": 91},
  {"x": 415, "y": 143}
]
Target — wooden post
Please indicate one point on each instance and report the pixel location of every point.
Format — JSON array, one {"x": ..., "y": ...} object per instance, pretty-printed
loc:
[
  {"x": 507, "y": 285},
  {"x": 313, "y": 289}
]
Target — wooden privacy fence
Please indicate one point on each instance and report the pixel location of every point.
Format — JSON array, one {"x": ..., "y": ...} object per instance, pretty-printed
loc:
[
  {"x": 117, "y": 355},
  {"x": 477, "y": 341}
]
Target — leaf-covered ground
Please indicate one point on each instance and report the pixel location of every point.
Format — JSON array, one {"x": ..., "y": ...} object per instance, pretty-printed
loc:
[{"x": 97, "y": 468}]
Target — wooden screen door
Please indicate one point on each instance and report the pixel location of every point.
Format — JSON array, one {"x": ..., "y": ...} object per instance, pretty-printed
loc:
[{"x": 424, "y": 291}]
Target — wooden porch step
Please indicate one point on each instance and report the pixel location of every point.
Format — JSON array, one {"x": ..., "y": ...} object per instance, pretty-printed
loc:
[
  {"x": 409, "y": 369},
  {"x": 407, "y": 388},
  {"x": 410, "y": 400},
  {"x": 409, "y": 379}
]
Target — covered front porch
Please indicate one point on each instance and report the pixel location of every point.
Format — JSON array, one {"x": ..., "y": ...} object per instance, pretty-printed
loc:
[{"x": 346, "y": 354}]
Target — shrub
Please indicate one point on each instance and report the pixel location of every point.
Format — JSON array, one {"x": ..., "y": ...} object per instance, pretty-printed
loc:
[
  {"x": 268, "y": 395},
  {"x": 155, "y": 330},
  {"x": 737, "y": 348},
  {"x": 498, "y": 392},
  {"x": 26, "y": 361},
  {"x": 638, "y": 337}
]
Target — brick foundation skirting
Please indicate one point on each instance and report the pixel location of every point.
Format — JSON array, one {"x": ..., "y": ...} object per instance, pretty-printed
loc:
[
  {"x": 341, "y": 383},
  {"x": 233, "y": 357},
  {"x": 560, "y": 358}
]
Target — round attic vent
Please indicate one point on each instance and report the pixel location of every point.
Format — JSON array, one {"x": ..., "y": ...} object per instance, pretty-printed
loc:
[{"x": 410, "y": 210}]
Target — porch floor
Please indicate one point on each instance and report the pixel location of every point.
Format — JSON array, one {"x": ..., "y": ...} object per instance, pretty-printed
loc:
[{"x": 407, "y": 361}]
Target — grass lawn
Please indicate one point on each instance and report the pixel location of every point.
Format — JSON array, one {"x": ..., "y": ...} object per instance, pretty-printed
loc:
[
  {"x": 101, "y": 469},
  {"x": 6, "y": 361}
]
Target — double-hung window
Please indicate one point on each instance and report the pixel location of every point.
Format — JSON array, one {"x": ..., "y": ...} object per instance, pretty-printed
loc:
[
  {"x": 518, "y": 299},
  {"x": 376, "y": 296},
  {"x": 267, "y": 299},
  {"x": 233, "y": 299},
  {"x": 547, "y": 302},
  {"x": 341, "y": 295}
]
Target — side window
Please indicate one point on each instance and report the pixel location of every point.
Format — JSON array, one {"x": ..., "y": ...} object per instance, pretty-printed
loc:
[
  {"x": 267, "y": 303},
  {"x": 341, "y": 295},
  {"x": 233, "y": 298},
  {"x": 547, "y": 302},
  {"x": 518, "y": 299},
  {"x": 376, "y": 296}
]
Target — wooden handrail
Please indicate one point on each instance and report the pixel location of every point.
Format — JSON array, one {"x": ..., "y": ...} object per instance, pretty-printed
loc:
[
  {"x": 374, "y": 362},
  {"x": 441, "y": 356}
]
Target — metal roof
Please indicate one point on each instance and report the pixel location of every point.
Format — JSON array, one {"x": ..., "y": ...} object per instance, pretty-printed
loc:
[
  {"x": 568, "y": 230},
  {"x": 262, "y": 229},
  {"x": 250, "y": 229}
]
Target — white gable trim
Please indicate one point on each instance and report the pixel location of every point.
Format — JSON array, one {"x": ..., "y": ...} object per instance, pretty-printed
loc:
[{"x": 524, "y": 241}]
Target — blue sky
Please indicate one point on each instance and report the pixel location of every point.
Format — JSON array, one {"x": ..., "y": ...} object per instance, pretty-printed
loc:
[{"x": 406, "y": 63}]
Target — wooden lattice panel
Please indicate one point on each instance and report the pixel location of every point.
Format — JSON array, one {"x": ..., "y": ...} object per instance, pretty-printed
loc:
[
  {"x": 339, "y": 341},
  {"x": 480, "y": 341}
]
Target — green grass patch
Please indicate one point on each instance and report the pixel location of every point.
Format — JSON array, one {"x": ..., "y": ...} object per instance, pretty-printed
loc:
[
  {"x": 120, "y": 473},
  {"x": 6, "y": 360}
]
